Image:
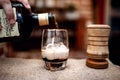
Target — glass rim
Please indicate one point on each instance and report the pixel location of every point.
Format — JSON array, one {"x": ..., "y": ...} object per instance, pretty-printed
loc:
[{"x": 55, "y": 29}]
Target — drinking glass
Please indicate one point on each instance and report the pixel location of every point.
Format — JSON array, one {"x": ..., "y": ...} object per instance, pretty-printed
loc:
[{"x": 54, "y": 48}]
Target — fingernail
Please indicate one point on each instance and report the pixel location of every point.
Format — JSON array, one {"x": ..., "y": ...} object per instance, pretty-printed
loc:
[
  {"x": 27, "y": 5},
  {"x": 12, "y": 21}
]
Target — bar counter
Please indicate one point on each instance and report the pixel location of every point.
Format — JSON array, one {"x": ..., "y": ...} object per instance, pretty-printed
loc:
[{"x": 33, "y": 69}]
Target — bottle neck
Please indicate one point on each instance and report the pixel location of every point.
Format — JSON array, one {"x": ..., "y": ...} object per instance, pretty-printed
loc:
[
  {"x": 43, "y": 19},
  {"x": 52, "y": 20},
  {"x": 46, "y": 19}
]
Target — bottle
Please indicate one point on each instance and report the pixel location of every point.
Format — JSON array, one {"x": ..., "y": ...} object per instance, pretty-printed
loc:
[{"x": 25, "y": 22}]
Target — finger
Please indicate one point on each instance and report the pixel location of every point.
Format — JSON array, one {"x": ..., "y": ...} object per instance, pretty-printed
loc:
[
  {"x": 9, "y": 11},
  {"x": 26, "y": 3}
]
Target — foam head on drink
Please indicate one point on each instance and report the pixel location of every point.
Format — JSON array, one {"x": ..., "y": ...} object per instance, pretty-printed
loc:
[{"x": 55, "y": 52}]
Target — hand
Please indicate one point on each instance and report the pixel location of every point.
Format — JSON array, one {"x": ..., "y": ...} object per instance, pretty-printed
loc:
[{"x": 7, "y": 7}]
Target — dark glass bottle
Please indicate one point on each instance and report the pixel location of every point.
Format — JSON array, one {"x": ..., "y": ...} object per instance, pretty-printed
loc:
[{"x": 25, "y": 22}]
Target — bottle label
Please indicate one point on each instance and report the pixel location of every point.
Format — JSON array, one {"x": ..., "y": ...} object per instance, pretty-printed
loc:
[
  {"x": 8, "y": 30},
  {"x": 43, "y": 19}
]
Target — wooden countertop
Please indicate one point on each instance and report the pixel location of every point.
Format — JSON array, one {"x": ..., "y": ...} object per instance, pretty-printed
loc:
[{"x": 33, "y": 69}]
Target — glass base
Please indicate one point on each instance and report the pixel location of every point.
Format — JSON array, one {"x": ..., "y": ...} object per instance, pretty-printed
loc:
[{"x": 55, "y": 66}]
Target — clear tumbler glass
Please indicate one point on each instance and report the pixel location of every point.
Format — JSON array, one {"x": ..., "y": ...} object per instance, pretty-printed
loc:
[{"x": 54, "y": 48}]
